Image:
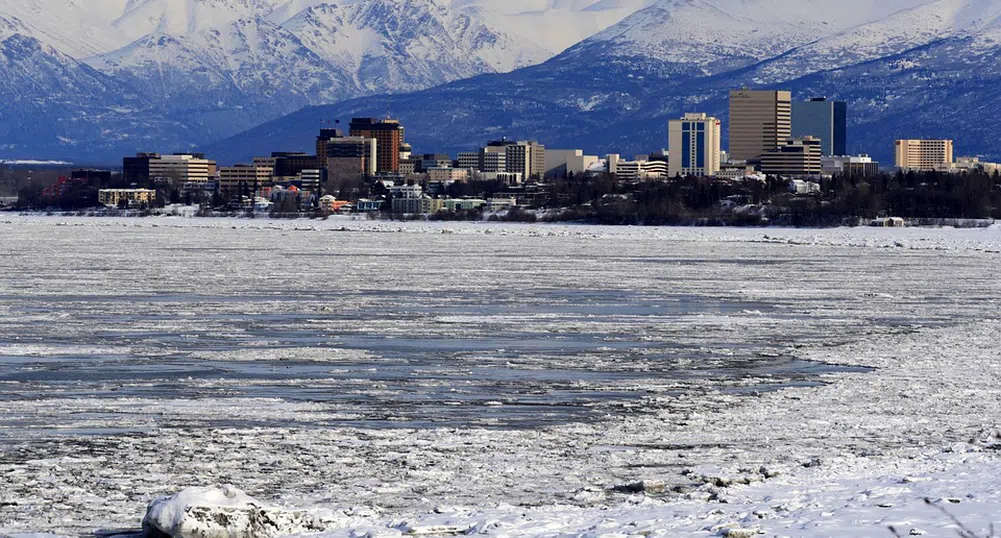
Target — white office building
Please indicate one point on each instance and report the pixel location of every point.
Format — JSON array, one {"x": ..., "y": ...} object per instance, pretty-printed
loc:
[
  {"x": 563, "y": 162},
  {"x": 636, "y": 169}
]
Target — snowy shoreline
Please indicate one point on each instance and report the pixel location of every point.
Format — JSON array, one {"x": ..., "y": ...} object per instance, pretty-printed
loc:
[{"x": 189, "y": 213}]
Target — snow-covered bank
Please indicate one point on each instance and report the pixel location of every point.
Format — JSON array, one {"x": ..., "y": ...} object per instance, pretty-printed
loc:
[
  {"x": 815, "y": 504},
  {"x": 985, "y": 239}
]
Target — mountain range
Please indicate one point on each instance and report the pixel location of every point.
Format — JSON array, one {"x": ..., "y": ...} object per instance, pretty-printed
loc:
[{"x": 239, "y": 78}]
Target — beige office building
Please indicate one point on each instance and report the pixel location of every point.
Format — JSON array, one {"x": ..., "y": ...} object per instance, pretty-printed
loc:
[
  {"x": 760, "y": 121},
  {"x": 230, "y": 177},
  {"x": 693, "y": 146},
  {"x": 179, "y": 169},
  {"x": 923, "y": 154},
  {"x": 522, "y": 157}
]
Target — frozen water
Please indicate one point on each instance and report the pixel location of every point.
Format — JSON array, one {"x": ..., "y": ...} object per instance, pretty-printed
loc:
[{"x": 387, "y": 369}]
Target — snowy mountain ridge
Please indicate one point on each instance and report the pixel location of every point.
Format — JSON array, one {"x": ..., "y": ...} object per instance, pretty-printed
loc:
[{"x": 219, "y": 67}]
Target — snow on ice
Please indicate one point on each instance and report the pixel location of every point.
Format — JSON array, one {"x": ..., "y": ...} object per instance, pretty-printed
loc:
[{"x": 506, "y": 380}]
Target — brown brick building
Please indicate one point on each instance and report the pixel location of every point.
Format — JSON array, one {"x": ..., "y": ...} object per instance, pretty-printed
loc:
[{"x": 388, "y": 135}]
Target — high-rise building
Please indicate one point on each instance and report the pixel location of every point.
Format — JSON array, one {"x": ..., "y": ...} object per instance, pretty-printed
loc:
[
  {"x": 388, "y": 135},
  {"x": 522, "y": 157},
  {"x": 923, "y": 154},
  {"x": 760, "y": 121},
  {"x": 797, "y": 157},
  {"x": 321, "y": 140},
  {"x": 351, "y": 158},
  {"x": 693, "y": 146},
  {"x": 823, "y": 119},
  {"x": 135, "y": 170}
]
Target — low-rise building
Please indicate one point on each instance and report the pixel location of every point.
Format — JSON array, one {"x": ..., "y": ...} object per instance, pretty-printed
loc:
[
  {"x": 331, "y": 204},
  {"x": 447, "y": 174},
  {"x": 635, "y": 169},
  {"x": 128, "y": 197},
  {"x": 464, "y": 204},
  {"x": 499, "y": 204},
  {"x": 797, "y": 157},
  {"x": 243, "y": 176},
  {"x": 435, "y": 160},
  {"x": 799, "y": 186},
  {"x": 849, "y": 165},
  {"x": 736, "y": 171},
  {"x": 410, "y": 165},
  {"x": 262, "y": 205},
  {"x": 964, "y": 165},
  {"x": 367, "y": 205},
  {"x": 422, "y": 205},
  {"x": 311, "y": 179}
]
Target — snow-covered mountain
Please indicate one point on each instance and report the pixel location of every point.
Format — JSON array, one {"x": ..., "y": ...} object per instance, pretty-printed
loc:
[
  {"x": 220, "y": 66},
  {"x": 554, "y": 25},
  {"x": 901, "y": 31},
  {"x": 914, "y": 71},
  {"x": 388, "y": 45},
  {"x": 704, "y": 37},
  {"x": 227, "y": 77},
  {"x": 69, "y": 110},
  {"x": 250, "y": 69},
  {"x": 69, "y": 26}
]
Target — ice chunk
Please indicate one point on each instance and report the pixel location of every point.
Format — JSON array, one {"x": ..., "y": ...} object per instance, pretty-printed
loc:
[{"x": 223, "y": 512}]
